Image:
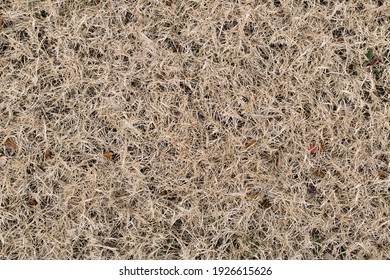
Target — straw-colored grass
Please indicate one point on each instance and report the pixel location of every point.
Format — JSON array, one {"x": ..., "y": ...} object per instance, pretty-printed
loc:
[{"x": 195, "y": 129}]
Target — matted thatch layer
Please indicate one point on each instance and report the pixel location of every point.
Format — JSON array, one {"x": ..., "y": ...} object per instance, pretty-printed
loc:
[{"x": 194, "y": 129}]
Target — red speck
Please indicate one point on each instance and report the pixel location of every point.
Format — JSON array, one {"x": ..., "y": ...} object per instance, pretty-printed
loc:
[{"x": 313, "y": 148}]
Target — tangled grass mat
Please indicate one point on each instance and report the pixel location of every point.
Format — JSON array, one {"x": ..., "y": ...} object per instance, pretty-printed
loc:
[{"x": 194, "y": 129}]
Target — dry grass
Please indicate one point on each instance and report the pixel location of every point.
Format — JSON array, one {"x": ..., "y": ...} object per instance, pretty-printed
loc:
[{"x": 195, "y": 129}]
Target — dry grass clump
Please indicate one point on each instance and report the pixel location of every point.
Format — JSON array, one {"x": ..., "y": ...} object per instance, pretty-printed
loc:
[{"x": 194, "y": 129}]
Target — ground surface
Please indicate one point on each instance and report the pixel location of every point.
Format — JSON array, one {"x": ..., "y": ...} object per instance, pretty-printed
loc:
[{"x": 194, "y": 129}]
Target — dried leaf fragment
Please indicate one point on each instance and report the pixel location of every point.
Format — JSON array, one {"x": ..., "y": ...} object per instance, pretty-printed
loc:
[
  {"x": 10, "y": 145},
  {"x": 48, "y": 155},
  {"x": 33, "y": 202},
  {"x": 313, "y": 148},
  {"x": 1, "y": 23},
  {"x": 108, "y": 155},
  {"x": 319, "y": 173},
  {"x": 375, "y": 60},
  {"x": 383, "y": 175},
  {"x": 173, "y": 8},
  {"x": 3, "y": 161}
]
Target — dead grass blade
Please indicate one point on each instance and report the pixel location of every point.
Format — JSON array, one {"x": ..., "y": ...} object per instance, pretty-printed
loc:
[{"x": 10, "y": 145}]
